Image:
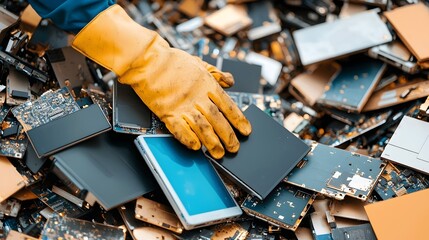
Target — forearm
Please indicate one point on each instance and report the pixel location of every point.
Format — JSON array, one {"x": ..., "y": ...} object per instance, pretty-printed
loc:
[{"x": 70, "y": 15}]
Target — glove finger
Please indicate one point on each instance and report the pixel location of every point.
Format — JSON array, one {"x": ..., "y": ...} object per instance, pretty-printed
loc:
[
  {"x": 206, "y": 134},
  {"x": 231, "y": 111},
  {"x": 221, "y": 126},
  {"x": 225, "y": 79},
  {"x": 183, "y": 132}
]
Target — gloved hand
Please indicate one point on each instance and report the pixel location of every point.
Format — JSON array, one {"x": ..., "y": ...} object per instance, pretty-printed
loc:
[{"x": 182, "y": 90}]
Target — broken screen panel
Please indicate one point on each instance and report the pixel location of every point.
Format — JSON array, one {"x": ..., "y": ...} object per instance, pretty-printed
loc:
[
  {"x": 336, "y": 39},
  {"x": 259, "y": 178},
  {"x": 353, "y": 85},
  {"x": 106, "y": 168},
  {"x": 337, "y": 173},
  {"x": 285, "y": 206}
]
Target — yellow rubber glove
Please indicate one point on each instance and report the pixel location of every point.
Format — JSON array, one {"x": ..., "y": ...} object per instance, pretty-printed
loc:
[{"x": 179, "y": 88}]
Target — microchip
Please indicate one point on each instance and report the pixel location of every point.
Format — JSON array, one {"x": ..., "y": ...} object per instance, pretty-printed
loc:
[
  {"x": 12, "y": 131},
  {"x": 285, "y": 206}
]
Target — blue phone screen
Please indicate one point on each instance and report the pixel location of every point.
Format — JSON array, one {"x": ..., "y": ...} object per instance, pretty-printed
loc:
[{"x": 192, "y": 176}]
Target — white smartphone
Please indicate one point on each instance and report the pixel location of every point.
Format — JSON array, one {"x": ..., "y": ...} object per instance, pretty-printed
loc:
[{"x": 189, "y": 181}]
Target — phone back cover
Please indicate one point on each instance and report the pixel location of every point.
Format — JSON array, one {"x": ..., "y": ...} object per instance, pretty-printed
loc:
[
  {"x": 266, "y": 156},
  {"x": 403, "y": 217},
  {"x": 109, "y": 167}
]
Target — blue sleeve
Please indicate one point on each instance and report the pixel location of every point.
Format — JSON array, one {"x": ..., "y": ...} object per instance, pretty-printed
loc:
[{"x": 70, "y": 15}]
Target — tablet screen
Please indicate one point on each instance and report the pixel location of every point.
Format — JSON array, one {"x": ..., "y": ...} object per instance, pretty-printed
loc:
[{"x": 192, "y": 176}]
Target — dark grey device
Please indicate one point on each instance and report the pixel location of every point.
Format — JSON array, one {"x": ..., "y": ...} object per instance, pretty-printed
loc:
[
  {"x": 107, "y": 169},
  {"x": 265, "y": 157}
]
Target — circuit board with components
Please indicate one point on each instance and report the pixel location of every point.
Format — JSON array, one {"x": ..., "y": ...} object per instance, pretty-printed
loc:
[
  {"x": 395, "y": 182},
  {"x": 284, "y": 207},
  {"x": 336, "y": 173},
  {"x": 60, "y": 205},
  {"x": 349, "y": 133},
  {"x": 50, "y": 106},
  {"x": 4, "y": 110},
  {"x": 68, "y": 228},
  {"x": 13, "y": 141}
]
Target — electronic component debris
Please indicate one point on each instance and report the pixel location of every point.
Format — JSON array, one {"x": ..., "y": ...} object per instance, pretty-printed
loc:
[
  {"x": 13, "y": 141},
  {"x": 337, "y": 173},
  {"x": 68, "y": 228},
  {"x": 10, "y": 207},
  {"x": 30, "y": 178},
  {"x": 270, "y": 104},
  {"x": 157, "y": 214},
  {"x": 23, "y": 67},
  {"x": 48, "y": 107},
  {"x": 396, "y": 181},
  {"x": 286, "y": 206},
  {"x": 57, "y": 203},
  {"x": 232, "y": 231}
]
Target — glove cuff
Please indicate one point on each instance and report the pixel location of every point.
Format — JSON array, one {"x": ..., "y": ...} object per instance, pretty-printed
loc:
[{"x": 115, "y": 41}]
